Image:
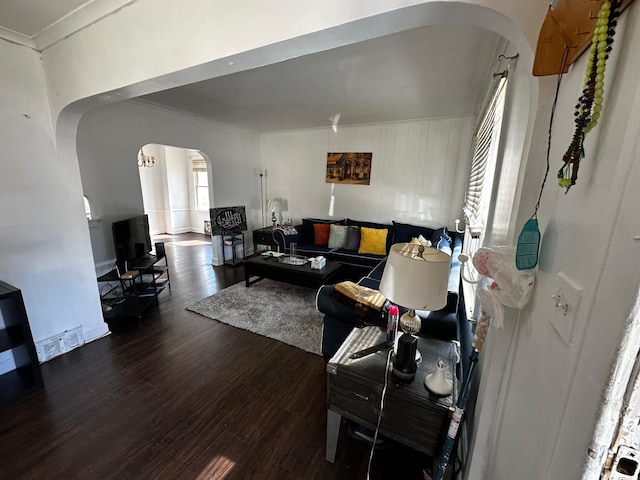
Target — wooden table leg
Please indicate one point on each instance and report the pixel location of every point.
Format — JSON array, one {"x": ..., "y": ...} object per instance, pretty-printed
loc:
[{"x": 333, "y": 430}]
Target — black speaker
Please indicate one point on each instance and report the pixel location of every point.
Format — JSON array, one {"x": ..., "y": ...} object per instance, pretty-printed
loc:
[
  {"x": 160, "y": 253},
  {"x": 121, "y": 258},
  {"x": 405, "y": 366},
  {"x": 141, "y": 251}
]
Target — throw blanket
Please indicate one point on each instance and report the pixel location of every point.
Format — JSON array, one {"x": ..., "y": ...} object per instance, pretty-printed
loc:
[
  {"x": 368, "y": 304},
  {"x": 287, "y": 229}
]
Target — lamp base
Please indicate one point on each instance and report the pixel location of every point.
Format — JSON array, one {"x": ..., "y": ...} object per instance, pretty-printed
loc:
[
  {"x": 405, "y": 365},
  {"x": 410, "y": 322}
]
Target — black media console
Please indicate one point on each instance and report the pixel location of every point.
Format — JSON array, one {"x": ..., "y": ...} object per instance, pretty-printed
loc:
[{"x": 127, "y": 294}]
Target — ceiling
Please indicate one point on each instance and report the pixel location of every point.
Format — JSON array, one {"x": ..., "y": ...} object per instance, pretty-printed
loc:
[{"x": 434, "y": 71}]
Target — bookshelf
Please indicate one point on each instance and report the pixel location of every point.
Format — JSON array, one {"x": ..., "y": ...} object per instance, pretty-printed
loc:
[{"x": 17, "y": 347}]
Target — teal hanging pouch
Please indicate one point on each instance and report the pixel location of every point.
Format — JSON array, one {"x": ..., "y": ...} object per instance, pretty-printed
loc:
[{"x": 528, "y": 245}]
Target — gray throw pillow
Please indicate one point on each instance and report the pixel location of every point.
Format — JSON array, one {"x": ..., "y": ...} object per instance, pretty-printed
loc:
[
  {"x": 353, "y": 238},
  {"x": 338, "y": 236}
]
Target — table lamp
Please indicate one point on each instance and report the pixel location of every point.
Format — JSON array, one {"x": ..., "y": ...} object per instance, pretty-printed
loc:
[
  {"x": 275, "y": 207},
  {"x": 414, "y": 277}
]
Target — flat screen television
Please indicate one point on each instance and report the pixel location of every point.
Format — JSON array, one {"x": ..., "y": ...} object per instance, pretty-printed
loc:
[{"x": 131, "y": 239}]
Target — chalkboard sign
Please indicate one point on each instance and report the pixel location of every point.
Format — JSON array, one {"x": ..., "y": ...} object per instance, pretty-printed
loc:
[{"x": 228, "y": 219}]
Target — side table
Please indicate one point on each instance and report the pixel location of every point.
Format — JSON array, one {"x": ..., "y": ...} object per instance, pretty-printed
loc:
[
  {"x": 232, "y": 240},
  {"x": 263, "y": 236},
  {"x": 412, "y": 415}
]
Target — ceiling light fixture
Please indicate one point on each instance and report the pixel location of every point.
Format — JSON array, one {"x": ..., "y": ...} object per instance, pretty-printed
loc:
[{"x": 145, "y": 160}]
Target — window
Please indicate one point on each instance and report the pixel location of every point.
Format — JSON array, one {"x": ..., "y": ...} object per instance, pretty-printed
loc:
[
  {"x": 200, "y": 183},
  {"x": 483, "y": 163},
  {"x": 480, "y": 186}
]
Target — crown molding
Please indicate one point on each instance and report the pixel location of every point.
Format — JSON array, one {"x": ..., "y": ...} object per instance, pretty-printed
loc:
[
  {"x": 72, "y": 23},
  {"x": 193, "y": 116},
  {"x": 77, "y": 20},
  {"x": 17, "y": 38}
]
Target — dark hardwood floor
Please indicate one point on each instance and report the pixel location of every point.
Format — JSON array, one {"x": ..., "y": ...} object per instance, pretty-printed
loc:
[{"x": 184, "y": 397}]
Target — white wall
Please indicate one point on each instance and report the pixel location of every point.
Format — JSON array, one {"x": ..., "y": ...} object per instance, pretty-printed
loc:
[
  {"x": 556, "y": 381},
  {"x": 153, "y": 183},
  {"x": 418, "y": 172},
  {"x": 179, "y": 215},
  {"x": 43, "y": 228},
  {"x": 110, "y": 174}
]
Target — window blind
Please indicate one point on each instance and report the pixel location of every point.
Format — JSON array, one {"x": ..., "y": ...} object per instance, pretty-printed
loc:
[
  {"x": 199, "y": 165},
  {"x": 484, "y": 153}
]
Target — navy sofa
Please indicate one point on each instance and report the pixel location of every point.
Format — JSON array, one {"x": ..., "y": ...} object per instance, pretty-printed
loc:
[
  {"x": 397, "y": 233},
  {"x": 450, "y": 323}
]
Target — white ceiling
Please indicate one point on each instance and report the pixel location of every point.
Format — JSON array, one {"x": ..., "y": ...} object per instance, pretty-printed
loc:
[{"x": 435, "y": 71}]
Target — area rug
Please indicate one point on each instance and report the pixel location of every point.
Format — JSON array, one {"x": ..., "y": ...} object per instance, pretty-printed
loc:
[{"x": 273, "y": 309}]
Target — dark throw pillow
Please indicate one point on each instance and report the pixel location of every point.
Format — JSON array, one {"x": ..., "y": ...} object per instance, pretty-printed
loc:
[{"x": 353, "y": 239}]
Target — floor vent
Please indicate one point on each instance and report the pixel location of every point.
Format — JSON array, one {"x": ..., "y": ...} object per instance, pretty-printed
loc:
[{"x": 58, "y": 344}]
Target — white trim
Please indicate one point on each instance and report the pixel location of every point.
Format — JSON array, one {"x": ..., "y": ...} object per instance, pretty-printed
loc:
[
  {"x": 73, "y": 22},
  {"x": 17, "y": 38},
  {"x": 95, "y": 333},
  {"x": 176, "y": 231},
  {"x": 77, "y": 20},
  {"x": 104, "y": 266},
  {"x": 163, "y": 108}
]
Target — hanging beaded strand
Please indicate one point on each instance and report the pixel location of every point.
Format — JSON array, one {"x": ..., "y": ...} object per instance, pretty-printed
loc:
[{"x": 589, "y": 104}]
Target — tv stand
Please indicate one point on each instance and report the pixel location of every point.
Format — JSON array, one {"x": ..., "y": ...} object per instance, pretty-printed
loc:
[{"x": 128, "y": 294}]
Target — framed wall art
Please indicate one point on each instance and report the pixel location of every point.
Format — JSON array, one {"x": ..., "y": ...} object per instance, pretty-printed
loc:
[
  {"x": 352, "y": 168},
  {"x": 228, "y": 219}
]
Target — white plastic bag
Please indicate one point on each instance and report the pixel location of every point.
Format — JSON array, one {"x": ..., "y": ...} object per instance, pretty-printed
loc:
[{"x": 510, "y": 287}]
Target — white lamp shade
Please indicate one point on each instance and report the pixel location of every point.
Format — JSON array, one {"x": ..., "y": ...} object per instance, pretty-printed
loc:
[
  {"x": 416, "y": 281},
  {"x": 274, "y": 205}
]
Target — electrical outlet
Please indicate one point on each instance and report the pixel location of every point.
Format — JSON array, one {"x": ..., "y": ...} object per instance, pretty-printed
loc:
[
  {"x": 625, "y": 466},
  {"x": 566, "y": 301}
]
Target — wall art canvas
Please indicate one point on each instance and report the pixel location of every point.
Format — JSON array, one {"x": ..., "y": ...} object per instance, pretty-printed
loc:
[
  {"x": 352, "y": 168},
  {"x": 228, "y": 219}
]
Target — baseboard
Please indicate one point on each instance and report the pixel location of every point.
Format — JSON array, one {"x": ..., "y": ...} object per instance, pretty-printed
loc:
[
  {"x": 97, "y": 332},
  {"x": 104, "y": 266},
  {"x": 176, "y": 231}
]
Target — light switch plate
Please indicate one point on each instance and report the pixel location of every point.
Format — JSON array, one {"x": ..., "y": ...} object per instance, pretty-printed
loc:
[{"x": 566, "y": 298}]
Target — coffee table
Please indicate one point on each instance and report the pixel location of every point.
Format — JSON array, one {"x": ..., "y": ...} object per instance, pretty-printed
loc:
[{"x": 303, "y": 275}]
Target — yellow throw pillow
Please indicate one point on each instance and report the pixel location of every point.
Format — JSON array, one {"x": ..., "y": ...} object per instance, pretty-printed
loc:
[{"x": 373, "y": 240}]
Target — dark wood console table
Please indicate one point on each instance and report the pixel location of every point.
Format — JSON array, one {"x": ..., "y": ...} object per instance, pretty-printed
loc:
[{"x": 412, "y": 416}]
